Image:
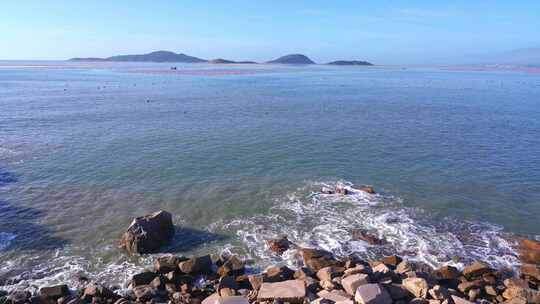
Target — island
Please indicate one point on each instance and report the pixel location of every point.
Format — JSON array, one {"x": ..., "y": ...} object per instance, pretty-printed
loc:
[
  {"x": 158, "y": 56},
  {"x": 225, "y": 61},
  {"x": 349, "y": 62},
  {"x": 293, "y": 59}
]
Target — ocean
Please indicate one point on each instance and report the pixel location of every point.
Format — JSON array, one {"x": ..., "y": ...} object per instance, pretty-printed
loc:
[{"x": 238, "y": 154}]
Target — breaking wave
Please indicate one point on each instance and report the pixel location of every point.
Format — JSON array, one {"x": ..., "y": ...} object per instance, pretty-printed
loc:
[{"x": 5, "y": 239}]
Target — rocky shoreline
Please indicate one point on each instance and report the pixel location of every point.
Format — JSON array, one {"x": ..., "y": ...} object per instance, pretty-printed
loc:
[{"x": 321, "y": 278}]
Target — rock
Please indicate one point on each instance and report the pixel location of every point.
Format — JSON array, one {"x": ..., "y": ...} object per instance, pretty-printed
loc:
[
  {"x": 144, "y": 293},
  {"x": 473, "y": 294},
  {"x": 256, "y": 281},
  {"x": 196, "y": 265},
  {"x": 228, "y": 284},
  {"x": 352, "y": 282},
  {"x": 167, "y": 263},
  {"x": 279, "y": 246},
  {"x": 447, "y": 273},
  {"x": 396, "y": 291},
  {"x": 326, "y": 190},
  {"x": 146, "y": 234},
  {"x": 490, "y": 291},
  {"x": 212, "y": 299},
  {"x": 515, "y": 282},
  {"x": 464, "y": 287},
  {"x": 404, "y": 267},
  {"x": 232, "y": 266},
  {"x": 367, "y": 189},
  {"x": 516, "y": 301},
  {"x": 417, "y": 286},
  {"x": 54, "y": 292},
  {"x": 278, "y": 274},
  {"x": 363, "y": 235},
  {"x": 392, "y": 260},
  {"x": 303, "y": 272},
  {"x": 18, "y": 297},
  {"x": 372, "y": 294},
  {"x": 334, "y": 295},
  {"x": 143, "y": 278},
  {"x": 292, "y": 291},
  {"x": 530, "y": 271},
  {"x": 328, "y": 273},
  {"x": 355, "y": 270},
  {"x": 476, "y": 269},
  {"x": 233, "y": 300},
  {"x": 529, "y": 251},
  {"x": 532, "y": 296},
  {"x": 95, "y": 290},
  {"x": 459, "y": 300},
  {"x": 419, "y": 301},
  {"x": 317, "y": 259},
  {"x": 439, "y": 292},
  {"x": 328, "y": 285}
]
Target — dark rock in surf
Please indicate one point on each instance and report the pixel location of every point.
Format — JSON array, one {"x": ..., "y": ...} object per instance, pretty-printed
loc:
[
  {"x": 167, "y": 263},
  {"x": 279, "y": 246},
  {"x": 316, "y": 259},
  {"x": 148, "y": 233},
  {"x": 364, "y": 235},
  {"x": 196, "y": 265},
  {"x": 367, "y": 189},
  {"x": 54, "y": 292},
  {"x": 143, "y": 278}
]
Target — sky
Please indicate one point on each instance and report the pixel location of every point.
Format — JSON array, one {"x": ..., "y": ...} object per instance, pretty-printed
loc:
[{"x": 384, "y": 32}]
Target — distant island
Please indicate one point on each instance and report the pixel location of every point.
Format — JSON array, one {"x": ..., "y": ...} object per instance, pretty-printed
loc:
[
  {"x": 168, "y": 56},
  {"x": 293, "y": 59},
  {"x": 225, "y": 61},
  {"x": 159, "y": 56},
  {"x": 349, "y": 62}
]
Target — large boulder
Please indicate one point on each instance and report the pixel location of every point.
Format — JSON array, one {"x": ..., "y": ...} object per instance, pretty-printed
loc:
[
  {"x": 292, "y": 291},
  {"x": 476, "y": 269},
  {"x": 417, "y": 286},
  {"x": 352, "y": 282},
  {"x": 372, "y": 294},
  {"x": 316, "y": 259},
  {"x": 529, "y": 251},
  {"x": 196, "y": 265},
  {"x": 148, "y": 233}
]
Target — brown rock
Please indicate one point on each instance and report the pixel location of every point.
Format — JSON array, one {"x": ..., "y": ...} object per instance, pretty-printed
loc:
[
  {"x": 317, "y": 259},
  {"x": 292, "y": 291},
  {"x": 439, "y": 292},
  {"x": 367, "y": 189},
  {"x": 490, "y": 291},
  {"x": 516, "y": 282},
  {"x": 212, "y": 299},
  {"x": 532, "y": 296},
  {"x": 531, "y": 271},
  {"x": 473, "y": 294},
  {"x": 447, "y": 273},
  {"x": 303, "y": 272},
  {"x": 364, "y": 235},
  {"x": 464, "y": 287},
  {"x": 352, "y": 282},
  {"x": 143, "y": 278},
  {"x": 54, "y": 292},
  {"x": 476, "y": 269},
  {"x": 417, "y": 286},
  {"x": 334, "y": 295},
  {"x": 233, "y": 300},
  {"x": 167, "y": 263},
  {"x": 96, "y": 290},
  {"x": 196, "y": 265},
  {"x": 146, "y": 234},
  {"x": 279, "y": 246},
  {"x": 232, "y": 266},
  {"x": 328, "y": 273},
  {"x": 392, "y": 260},
  {"x": 256, "y": 281},
  {"x": 459, "y": 300},
  {"x": 278, "y": 274},
  {"x": 144, "y": 293},
  {"x": 372, "y": 294}
]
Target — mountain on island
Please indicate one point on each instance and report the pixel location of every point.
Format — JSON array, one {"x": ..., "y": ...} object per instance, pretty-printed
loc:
[
  {"x": 293, "y": 59},
  {"x": 159, "y": 56},
  {"x": 349, "y": 62},
  {"x": 225, "y": 61}
]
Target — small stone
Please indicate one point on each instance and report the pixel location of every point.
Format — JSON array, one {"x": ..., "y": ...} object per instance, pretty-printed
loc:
[
  {"x": 417, "y": 286},
  {"x": 355, "y": 270},
  {"x": 516, "y": 282},
  {"x": 532, "y": 296},
  {"x": 476, "y": 269},
  {"x": 292, "y": 291},
  {"x": 144, "y": 292},
  {"x": 328, "y": 285},
  {"x": 372, "y": 294},
  {"x": 351, "y": 283}
]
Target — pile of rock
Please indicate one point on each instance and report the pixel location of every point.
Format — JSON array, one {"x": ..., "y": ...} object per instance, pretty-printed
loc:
[{"x": 323, "y": 279}]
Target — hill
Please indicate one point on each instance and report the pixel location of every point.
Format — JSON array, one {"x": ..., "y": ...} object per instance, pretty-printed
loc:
[
  {"x": 293, "y": 59},
  {"x": 349, "y": 62},
  {"x": 159, "y": 56}
]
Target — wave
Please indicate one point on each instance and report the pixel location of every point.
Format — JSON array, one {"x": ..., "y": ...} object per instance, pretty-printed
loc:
[{"x": 5, "y": 239}]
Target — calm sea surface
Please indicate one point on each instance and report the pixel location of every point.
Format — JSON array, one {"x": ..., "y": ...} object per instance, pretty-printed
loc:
[{"x": 238, "y": 153}]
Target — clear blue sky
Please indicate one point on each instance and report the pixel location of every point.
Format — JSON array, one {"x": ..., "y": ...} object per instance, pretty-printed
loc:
[{"x": 380, "y": 31}]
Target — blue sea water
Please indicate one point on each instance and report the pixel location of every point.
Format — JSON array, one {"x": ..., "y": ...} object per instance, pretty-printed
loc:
[{"x": 239, "y": 153}]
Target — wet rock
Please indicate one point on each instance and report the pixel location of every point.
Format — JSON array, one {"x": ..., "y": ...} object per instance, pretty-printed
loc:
[
  {"x": 167, "y": 263},
  {"x": 530, "y": 271},
  {"x": 232, "y": 266},
  {"x": 278, "y": 274},
  {"x": 439, "y": 292},
  {"x": 326, "y": 190},
  {"x": 317, "y": 259},
  {"x": 18, "y": 297},
  {"x": 279, "y": 246},
  {"x": 464, "y": 287},
  {"x": 460, "y": 300},
  {"x": 95, "y": 290},
  {"x": 476, "y": 269},
  {"x": 392, "y": 260},
  {"x": 364, "y": 235},
  {"x": 447, "y": 273},
  {"x": 54, "y": 292},
  {"x": 146, "y": 234},
  {"x": 352, "y": 282},
  {"x": 367, "y": 189},
  {"x": 372, "y": 294},
  {"x": 529, "y": 251},
  {"x": 143, "y": 278},
  {"x": 196, "y": 265},
  {"x": 417, "y": 286},
  {"x": 292, "y": 291}
]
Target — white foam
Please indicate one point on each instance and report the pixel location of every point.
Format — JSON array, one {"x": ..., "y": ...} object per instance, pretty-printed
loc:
[{"x": 5, "y": 239}]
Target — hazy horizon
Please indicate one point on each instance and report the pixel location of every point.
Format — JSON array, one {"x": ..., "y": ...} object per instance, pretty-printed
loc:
[{"x": 398, "y": 32}]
